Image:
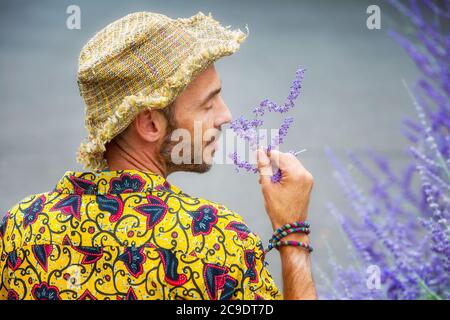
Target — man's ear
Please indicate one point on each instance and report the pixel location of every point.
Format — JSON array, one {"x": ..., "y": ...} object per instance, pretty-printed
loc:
[{"x": 150, "y": 125}]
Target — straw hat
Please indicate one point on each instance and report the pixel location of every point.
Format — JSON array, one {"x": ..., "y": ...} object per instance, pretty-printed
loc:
[{"x": 143, "y": 60}]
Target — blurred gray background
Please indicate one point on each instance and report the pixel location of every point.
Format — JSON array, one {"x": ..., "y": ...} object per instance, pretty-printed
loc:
[{"x": 352, "y": 99}]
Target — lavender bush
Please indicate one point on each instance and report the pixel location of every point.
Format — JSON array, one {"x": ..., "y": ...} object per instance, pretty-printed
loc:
[{"x": 401, "y": 226}]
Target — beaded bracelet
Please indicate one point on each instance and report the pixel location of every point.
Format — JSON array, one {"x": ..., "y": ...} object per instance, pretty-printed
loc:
[
  {"x": 292, "y": 243},
  {"x": 279, "y": 235},
  {"x": 288, "y": 243},
  {"x": 299, "y": 226}
]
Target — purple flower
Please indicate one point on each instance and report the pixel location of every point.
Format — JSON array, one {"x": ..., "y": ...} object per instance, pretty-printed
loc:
[
  {"x": 282, "y": 132},
  {"x": 248, "y": 129},
  {"x": 401, "y": 222}
]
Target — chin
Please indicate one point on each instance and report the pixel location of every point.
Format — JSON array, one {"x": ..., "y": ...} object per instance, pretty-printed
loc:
[
  {"x": 198, "y": 168},
  {"x": 201, "y": 168}
]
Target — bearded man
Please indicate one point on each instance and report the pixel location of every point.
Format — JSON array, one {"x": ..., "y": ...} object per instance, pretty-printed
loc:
[{"x": 120, "y": 230}]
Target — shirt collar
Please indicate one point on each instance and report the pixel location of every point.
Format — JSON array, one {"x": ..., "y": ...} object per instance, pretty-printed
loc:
[{"x": 113, "y": 182}]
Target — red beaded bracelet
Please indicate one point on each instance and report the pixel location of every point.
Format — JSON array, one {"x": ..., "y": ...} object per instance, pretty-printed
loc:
[
  {"x": 299, "y": 226},
  {"x": 277, "y": 236}
]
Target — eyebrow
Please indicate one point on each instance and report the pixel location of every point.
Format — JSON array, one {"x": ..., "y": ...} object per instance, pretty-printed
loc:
[{"x": 210, "y": 95}]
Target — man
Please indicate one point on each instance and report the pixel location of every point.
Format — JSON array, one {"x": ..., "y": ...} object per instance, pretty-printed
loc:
[{"x": 121, "y": 230}]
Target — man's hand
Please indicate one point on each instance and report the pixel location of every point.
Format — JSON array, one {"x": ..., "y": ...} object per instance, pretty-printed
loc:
[{"x": 287, "y": 201}]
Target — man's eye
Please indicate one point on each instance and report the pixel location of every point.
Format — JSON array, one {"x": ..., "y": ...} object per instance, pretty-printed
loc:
[{"x": 210, "y": 107}]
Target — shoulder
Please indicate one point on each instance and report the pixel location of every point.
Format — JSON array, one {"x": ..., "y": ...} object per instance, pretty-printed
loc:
[
  {"x": 34, "y": 202},
  {"x": 235, "y": 228},
  {"x": 233, "y": 220},
  {"x": 22, "y": 214}
]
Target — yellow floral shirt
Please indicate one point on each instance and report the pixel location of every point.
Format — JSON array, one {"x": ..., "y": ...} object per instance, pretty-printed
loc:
[{"x": 128, "y": 235}]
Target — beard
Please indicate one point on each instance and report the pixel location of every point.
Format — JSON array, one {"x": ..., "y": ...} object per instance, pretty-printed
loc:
[{"x": 166, "y": 154}]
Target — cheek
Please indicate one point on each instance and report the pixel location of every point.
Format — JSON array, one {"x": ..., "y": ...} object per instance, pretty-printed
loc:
[
  {"x": 209, "y": 119},
  {"x": 209, "y": 128},
  {"x": 203, "y": 121},
  {"x": 186, "y": 121},
  {"x": 199, "y": 123}
]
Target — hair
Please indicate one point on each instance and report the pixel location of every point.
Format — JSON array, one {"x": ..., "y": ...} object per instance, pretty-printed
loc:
[{"x": 169, "y": 114}]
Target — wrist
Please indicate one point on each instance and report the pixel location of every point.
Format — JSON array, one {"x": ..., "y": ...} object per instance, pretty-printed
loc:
[
  {"x": 294, "y": 234},
  {"x": 279, "y": 223},
  {"x": 301, "y": 237},
  {"x": 288, "y": 250}
]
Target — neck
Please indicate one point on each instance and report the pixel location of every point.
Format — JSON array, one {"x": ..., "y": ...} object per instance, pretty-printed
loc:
[{"x": 120, "y": 156}]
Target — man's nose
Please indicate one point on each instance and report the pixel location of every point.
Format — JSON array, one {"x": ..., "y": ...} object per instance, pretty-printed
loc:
[{"x": 225, "y": 115}]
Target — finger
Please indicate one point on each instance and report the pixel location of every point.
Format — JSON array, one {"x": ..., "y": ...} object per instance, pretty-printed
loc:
[
  {"x": 283, "y": 161},
  {"x": 264, "y": 166}
]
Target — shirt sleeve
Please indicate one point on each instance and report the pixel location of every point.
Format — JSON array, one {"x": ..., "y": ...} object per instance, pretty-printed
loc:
[
  {"x": 247, "y": 275},
  {"x": 258, "y": 283}
]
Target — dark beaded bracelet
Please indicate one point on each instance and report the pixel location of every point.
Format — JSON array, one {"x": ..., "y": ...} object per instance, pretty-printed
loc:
[{"x": 289, "y": 243}]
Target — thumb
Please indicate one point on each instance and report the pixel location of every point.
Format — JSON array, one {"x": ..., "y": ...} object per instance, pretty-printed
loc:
[{"x": 264, "y": 167}]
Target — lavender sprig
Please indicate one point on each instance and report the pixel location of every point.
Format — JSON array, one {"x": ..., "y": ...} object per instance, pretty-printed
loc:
[
  {"x": 248, "y": 129},
  {"x": 290, "y": 100}
]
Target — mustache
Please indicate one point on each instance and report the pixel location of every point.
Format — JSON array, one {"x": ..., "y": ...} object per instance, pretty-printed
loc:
[{"x": 216, "y": 136}]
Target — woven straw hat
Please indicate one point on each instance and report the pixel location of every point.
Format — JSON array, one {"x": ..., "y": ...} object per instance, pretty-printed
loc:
[{"x": 143, "y": 60}]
